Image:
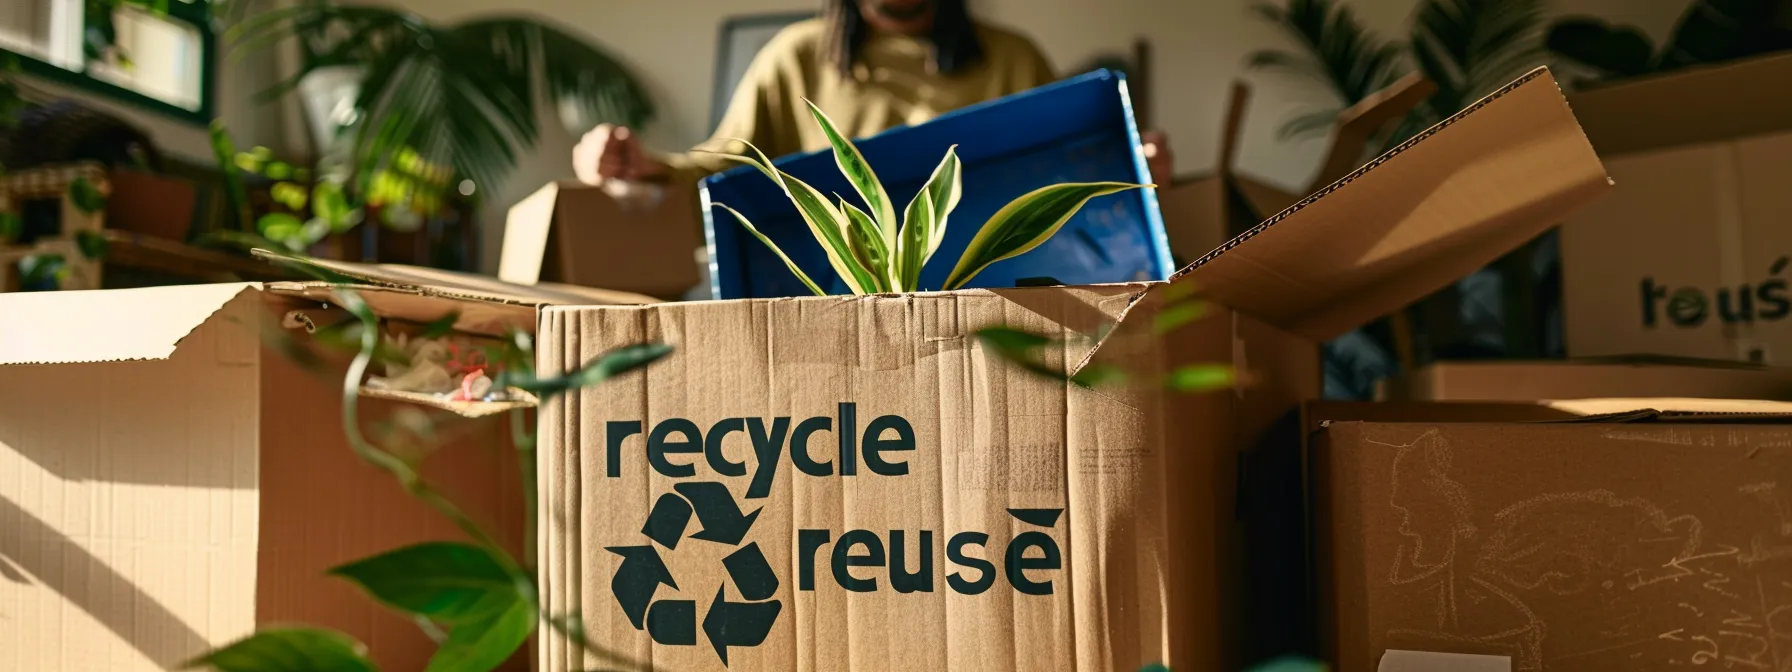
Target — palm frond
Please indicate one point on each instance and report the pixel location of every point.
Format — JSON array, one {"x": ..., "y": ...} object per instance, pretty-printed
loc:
[
  {"x": 1308, "y": 124},
  {"x": 463, "y": 96},
  {"x": 1468, "y": 48},
  {"x": 1353, "y": 60}
]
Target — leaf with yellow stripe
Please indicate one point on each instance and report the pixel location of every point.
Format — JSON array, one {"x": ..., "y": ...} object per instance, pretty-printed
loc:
[
  {"x": 1025, "y": 223},
  {"x": 800, "y": 275},
  {"x": 825, "y": 222},
  {"x": 857, "y": 171},
  {"x": 867, "y": 245},
  {"x": 924, "y": 222}
]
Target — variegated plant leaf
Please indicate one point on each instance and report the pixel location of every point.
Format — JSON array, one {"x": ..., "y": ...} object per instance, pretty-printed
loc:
[
  {"x": 911, "y": 247},
  {"x": 800, "y": 275},
  {"x": 1024, "y": 224},
  {"x": 867, "y": 245},
  {"x": 924, "y": 222},
  {"x": 857, "y": 171},
  {"x": 825, "y": 222}
]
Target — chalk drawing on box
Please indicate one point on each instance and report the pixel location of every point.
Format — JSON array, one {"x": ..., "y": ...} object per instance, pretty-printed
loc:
[{"x": 1611, "y": 564}]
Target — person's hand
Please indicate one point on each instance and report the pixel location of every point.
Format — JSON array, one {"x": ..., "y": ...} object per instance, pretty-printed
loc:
[
  {"x": 612, "y": 152},
  {"x": 1158, "y": 158}
]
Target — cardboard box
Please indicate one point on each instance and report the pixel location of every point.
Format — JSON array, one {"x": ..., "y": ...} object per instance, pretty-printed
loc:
[
  {"x": 1689, "y": 256},
  {"x": 1541, "y": 380},
  {"x": 169, "y": 481},
  {"x": 572, "y": 233},
  {"x": 1642, "y": 541},
  {"x": 1202, "y": 212},
  {"x": 855, "y": 483}
]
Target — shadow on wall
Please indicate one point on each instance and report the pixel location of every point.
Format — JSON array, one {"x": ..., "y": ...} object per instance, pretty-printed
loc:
[{"x": 30, "y": 548}]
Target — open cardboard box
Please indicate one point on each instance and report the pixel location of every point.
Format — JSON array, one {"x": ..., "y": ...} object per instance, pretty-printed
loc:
[
  {"x": 169, "y": 480},
  {"x": 1606, "y": 534},
  {"x": 573, "y": 233},
  {"x": 1203, "y": 211},
  {"x": 858, "y": 483},
  {"x": 1523, "y": 381},
  {"x": 1690, "y": 255}
]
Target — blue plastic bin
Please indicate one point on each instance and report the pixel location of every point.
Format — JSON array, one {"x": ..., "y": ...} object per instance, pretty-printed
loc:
[{"x": 1077, "y": 130}]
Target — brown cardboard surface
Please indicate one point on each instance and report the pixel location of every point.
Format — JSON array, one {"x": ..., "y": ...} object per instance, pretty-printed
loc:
[
  {"x": 1532, "y": 381},
  {"x": 1203, "y": 212},
  {"x": 577, "y": 234},
  {"x": 1689, "y": 107},
  {"x": 168, "y": 484},
  {"x": 1133, "y": 488},
  {"x": 1582, "y": 547},
  {"x": 1688, "y": 258},
  {"x": 1413, "y": 219}
]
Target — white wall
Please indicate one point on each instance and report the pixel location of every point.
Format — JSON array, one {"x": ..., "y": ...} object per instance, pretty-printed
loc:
[{"x": 1199, "y": 48}]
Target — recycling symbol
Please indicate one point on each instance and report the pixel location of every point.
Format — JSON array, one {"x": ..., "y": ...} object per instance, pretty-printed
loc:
[{"x": 674, "y": 622}]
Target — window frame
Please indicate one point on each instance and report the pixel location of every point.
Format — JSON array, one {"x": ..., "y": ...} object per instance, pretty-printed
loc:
[{"x": 195, "y": 13}]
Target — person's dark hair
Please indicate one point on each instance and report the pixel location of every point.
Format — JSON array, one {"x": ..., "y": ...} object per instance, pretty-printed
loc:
[{"x": 954, "y": 37}]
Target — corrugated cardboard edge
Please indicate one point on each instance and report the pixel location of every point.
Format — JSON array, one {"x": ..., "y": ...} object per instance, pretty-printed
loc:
[
  {"x": 526, "y": 226},
  {"x": 465, "y": 409},
  {"x": 1314, "y": 197},
  {"x": 450, "y": 284},
  {"x": 114, "y": 325}
]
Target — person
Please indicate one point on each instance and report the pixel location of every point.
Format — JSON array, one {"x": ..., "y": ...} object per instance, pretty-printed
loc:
[{"x": 871, "y": 65}]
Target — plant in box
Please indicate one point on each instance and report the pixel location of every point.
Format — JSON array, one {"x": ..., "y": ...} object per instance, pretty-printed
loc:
[{"x": 875, "y": 252}]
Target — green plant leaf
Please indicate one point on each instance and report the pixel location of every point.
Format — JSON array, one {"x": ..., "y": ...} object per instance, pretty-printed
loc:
[
  {"x": 10, "y": 227},
  {"x": 482, "y": 645},
  {"x": 447, "y": 582},
  {"x": 1289, "y": 664},
  {"x": 92, "y": 244},
  {"x": 441, "y": 326},
  {"x": 1176, "y": 315},
  {"x": 924, "y": 221},
  {"x": 290, "y": 195},
  {"x": 800, "y": 275},
  {"x": 223, "y": 150},
  {"x": 277, "y": 170},
  {"x": 288, "y": 650},
  {"x": 1024, "y": 224},
  {"x": 852, "y": 164},
  {"x": 601, "y": 368},
  {"x": 826, "y": 223},
  {"x": 43, "y": 271},
  {"x": 867, "y": 245},
  {"x": 332, "y": 206},
  {"x": 284, "y": 228},
  {"x": 86, "y": 197},
  {"x": 1201, "y": 377}
]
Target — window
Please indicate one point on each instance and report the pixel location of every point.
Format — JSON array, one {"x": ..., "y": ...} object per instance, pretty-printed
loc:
[{"x": 161, "y": 59}]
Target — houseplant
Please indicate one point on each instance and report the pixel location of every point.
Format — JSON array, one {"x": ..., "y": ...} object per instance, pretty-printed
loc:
[
  {"x": 1467, "y": 48},
  {"x": 875, "y": 252},
  {"x": 463, "y": 95}
]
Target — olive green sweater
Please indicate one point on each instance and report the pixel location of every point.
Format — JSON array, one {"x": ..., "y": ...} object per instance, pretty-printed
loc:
[{"x": 893, "y": 84}]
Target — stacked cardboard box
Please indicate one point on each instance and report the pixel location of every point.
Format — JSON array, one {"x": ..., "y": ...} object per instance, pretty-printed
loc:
[
  {"x": 1627, "y": 534},
  {"x": 1690, "y": 255}
]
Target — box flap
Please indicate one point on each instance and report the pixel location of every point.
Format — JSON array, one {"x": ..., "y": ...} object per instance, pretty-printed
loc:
[
  {"x": 105, "y": 325},
  {"x": 526, "y": 228},
  {"x": 1691, "y": 106},
  {"x": 467, "y": 286},
  {"x": 1674, "y": 408},
  {"x": 1426, "y": 213}
]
